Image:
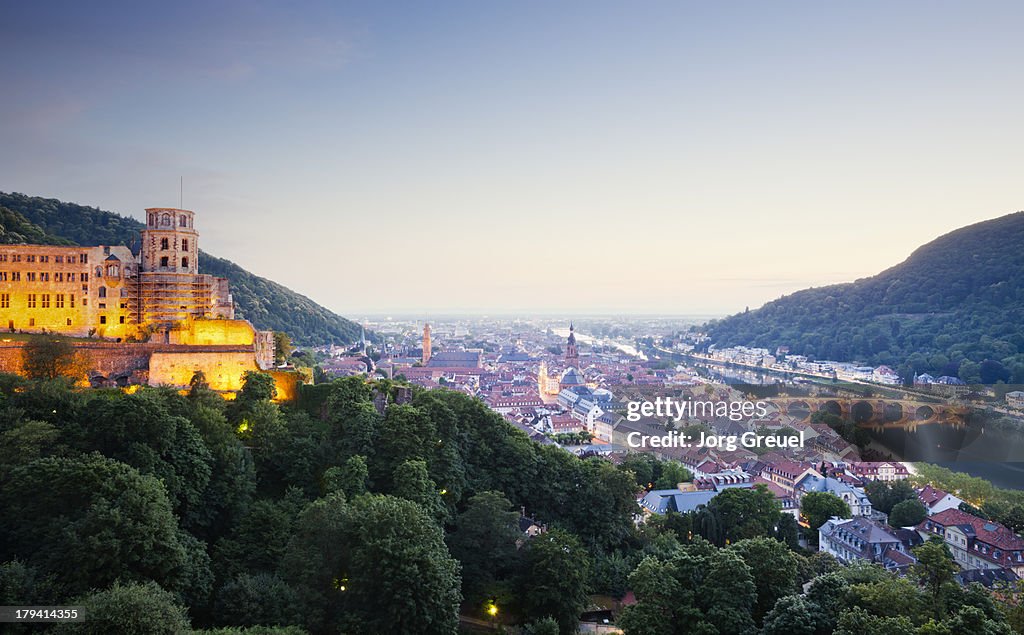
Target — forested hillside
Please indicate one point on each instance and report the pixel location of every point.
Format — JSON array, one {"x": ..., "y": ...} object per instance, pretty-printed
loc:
[
  {"x": 163, "y": 513},
  {"x": 956, "y": 300},
  {"x": 267, "y": 304}
]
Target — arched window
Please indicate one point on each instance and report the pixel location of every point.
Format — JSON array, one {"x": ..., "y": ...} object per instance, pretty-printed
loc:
[
  {"x": 183, "y": 221},
  {"x": 113, "y": 271},
  {"x": 103, "y": 292},
  {"x": 152, "y": 220},
  {"x": 99, "y": 271},
  {"x": 165, "y": 220}
]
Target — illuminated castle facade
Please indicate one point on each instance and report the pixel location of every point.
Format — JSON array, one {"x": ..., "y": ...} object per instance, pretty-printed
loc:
[
  {"x": 110, "y": 292},
  {"x": 157, "y": 297}
]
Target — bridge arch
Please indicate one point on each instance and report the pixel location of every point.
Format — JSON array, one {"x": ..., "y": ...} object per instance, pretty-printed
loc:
[
  {"x": 862, "y": 411},
  {"x": 832, "y": 407},
  {"x": 798, "y": 409},
  {"x": 924, "y": 413},
  {"x": 893, "y": 411}
]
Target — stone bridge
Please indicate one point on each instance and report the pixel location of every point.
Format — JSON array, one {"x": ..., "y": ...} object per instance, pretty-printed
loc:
[{"x": 873, "y": 412}]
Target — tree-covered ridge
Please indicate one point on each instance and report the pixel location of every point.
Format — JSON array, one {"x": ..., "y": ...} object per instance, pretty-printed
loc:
[
  {"x": 15, "y": 229},
  {"x": 162, "y": 513},
  {"x": 267, "y": 304},
  {"x": 959, "y": 297}
]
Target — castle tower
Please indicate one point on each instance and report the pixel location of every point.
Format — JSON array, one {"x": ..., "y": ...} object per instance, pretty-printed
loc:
[
  {"x": 170, "y": 243},
  {"x": 572, "y": 356},
  {"x": 426, "y": 344},
  {"x": 171, "y": 288},
  {"x": 542, "y": 378}
]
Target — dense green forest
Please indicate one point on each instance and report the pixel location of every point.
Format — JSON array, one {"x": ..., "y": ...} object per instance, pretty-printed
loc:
[
  {"x": 954, "y": 304},
  {"x": 267, "y": 304},
  {"x": 162, "y": 512}
]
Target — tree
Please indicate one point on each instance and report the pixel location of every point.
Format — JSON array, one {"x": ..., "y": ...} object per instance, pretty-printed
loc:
[
  {"x": 554, "y": 580},
  {"x": 377, "y": 564},
  {"x": 745, "y": 513},
  {"x": 91, "y": 521},
  {"x": 131, "y": 608},
  {"x": 484, "y": 541},
  {"x": 891, "y": 596},
  {"x": 658, "y": 595},
  {"x": 907, "y": 514},
  {"x": 349, "y": 478},
  {"x": 257, "y": 599},
  {"x": 48, "y": 357},
  {"x": 256, "y": 386},
  {"x": 672, "y": 474},
  {"x": 731, "y": 594},
  {"x": 791, "y": 615},
  {"x": 282, "y": 346},
  {"x": 774, "y": 568},
  {"x": 818, "y": 507},
  {"x": 412, "y": 482},
  {"x": 857, "y": 621},
  {"x": 934, "y": 571}
]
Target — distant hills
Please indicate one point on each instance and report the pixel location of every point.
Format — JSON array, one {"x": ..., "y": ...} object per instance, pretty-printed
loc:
[
  {"x": 265, "y": 303},
  {"x": 954, "y": 307}
]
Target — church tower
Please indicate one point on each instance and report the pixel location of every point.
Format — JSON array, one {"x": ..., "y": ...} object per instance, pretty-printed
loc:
[
  {"x": 426, "y": 344},
  {"x": 572, "y": 356}
]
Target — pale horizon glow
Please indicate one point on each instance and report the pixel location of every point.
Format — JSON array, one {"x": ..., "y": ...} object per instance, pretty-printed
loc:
[{"x": 670, "y": 158}]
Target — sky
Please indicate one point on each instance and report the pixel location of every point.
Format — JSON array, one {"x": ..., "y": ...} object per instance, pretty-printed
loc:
[{"x": 504, "y": 157}]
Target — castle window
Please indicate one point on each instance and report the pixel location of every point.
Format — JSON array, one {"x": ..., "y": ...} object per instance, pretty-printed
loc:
[
  {"x": 44, "y": 259},
  {"x": 72, "y": 300},
  {"x": 71, "y": 277},
  {"x": 31, "y": 300},
  {"x": 15, "y": 276},
  {"x": 165, "y": 220},
  {"x": 44, "y": 276},
  {"x": 99, "y": 271},
  {"x": 103, "y": 292},
  {"x": 5, "y": 300},
  {"x": 59, "y": 301},
  {"x": 30, "y": 276},
  {"x": 83, "y": 259},
  {"x": 16, "y": 258},
  {"x": 3, "y": 276},
  {"x": 184, "y": 262},
  {"x": 122, "y": 319},
  {"x": 152, "y": 219},
  {"x": 113, "y": 271},
  {"x": 85, "y": 277},
  {"x": 58, "y": 277},
  {"x": 183, "y": 221},
  {"x": 58, "y": 259},
  {"x": 69, "y": 321},
  {"x": 164, "y": 244},
  {"x": 184, "y": 244},
  {"x": 123, "y": 305},
  {"x": 30, "y": 258},
  {"x": 31, "y": 321},
  {"x": 103, "y": 319},
  {"x": 106, "y": 251},
  {"x": 163, "y": 261},
  {"x": 3, "y": 257},
  {"x": 45, "y": 301}
]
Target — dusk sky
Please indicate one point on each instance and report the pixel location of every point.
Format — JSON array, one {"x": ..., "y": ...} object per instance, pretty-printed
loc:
[{"x": 581, "y": 157}]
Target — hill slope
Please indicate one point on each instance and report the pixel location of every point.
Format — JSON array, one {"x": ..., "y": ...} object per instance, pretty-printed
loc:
[
  {"x": 267, "y": 304},
  {"x": 959, "y": 297}
]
